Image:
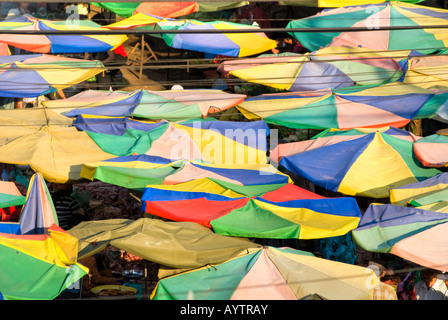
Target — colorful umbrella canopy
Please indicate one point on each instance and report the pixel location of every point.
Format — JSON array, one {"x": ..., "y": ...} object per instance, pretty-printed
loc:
[
  {"x": 166, "y": 104},
  {"x": 48, "y": 43},
  {"x": 414, "y": 234},
  {"x": 228, "y": 44},
  {"x": 190, "y": 244},
  {"x": 430, "y": 191},
  {"x": 371, "y": 16},
  {"x": 10, "y": 195},
  {"x": 243, "y": 211},
  {"x": 331, "y": 136},
  {"x": 368, "y": 166},
  {"x": 25, "y": 76},
  {"x": 218, "y": 142},
  {"x": 138, "y": 171},
  {"x": 270, "y": 274},
  {"x": 48, "y": 143},
  {"x": 393, "y": 104},
  {"x": 326, "y": 68},
  {"x": 167, "y": 9},
  {"x": 338, "y": 3},
  {"x": 432, "y": 150},
  {"x": 426, "y": 71},
  {"x": 113, "y": 125},
  {"x": 38, "y": 266},
  {"x": 38, "y": 214}
]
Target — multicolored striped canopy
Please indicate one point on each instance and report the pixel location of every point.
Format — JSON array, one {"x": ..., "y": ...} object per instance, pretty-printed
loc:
[
  {"x": 322, "y": 69},
  {"x": 138, "y": 171},
  {"x": 426, "y": 71},
  {"x": 427, "y": 192},
  {"x": 432, "y": 151},
  {"x": 48, "y": 43},
  {"x": 368, "y": 166},
  {"x": 228, "y": 44},
  {"x": 270, "y": 274},
  {"x": 414, "y": 234},
  {"x": 48, "y": 143},
  {"x": 38, "y": 214},
  {"x": 255, "y": 211},
  {"x": 32, "y": 75},
  {"x": 113, "y": 125},
  {"x": 331, "y": 136},
  {"x": 218, "y": 142},
  {"x": 10, "y": 195},
  {"x": 171, "y": 105},
  {"x": 371, "y": 16},
  {"x": 168, "y": 9},
  {"x": 394, "y": 104},
  {"x": 38, "y": 266},
  {"x": 337, "y": 3}
]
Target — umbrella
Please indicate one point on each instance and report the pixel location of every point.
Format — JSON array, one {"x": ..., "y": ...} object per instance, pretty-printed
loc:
[
  {"x": 427, "y": 192},
  {"x": 270, "y": 274},
  {"x": 26, "y": 76},
  {"x": 228, "y": 44},
  {"x": 41, "y": 43},
  {"x": 138, "y": 171},
  {"x": 38, "y": 214},
  {"x": 9, "y": 195},
  {"x": 338, "y": 3},
  {"x": 243, "y": 211},
  {"x": 38, "y": 267},
  {"x": 426, "y": 71},
  {"x": 371, "y": 17},
  {"x": 326, "y": 68},
  {"x": 167, "y": 9},
  {"x": 190, "y": 244},
  {"x": 392, "y": 104},
  {"x": 166, "y": 104},
  {"x": 414, "y": 234},
  {"x": 218, "y": 142},
  {"x": 432, "y": 150},
  {"x": 368, "y": 166},
  {"x": 331, "y": 136},
  {"x": 113, "y": 125},
  {"x": 48, "y": 143}
]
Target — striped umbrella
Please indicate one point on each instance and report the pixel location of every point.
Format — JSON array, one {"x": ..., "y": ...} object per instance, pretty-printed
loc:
[
  {"x": 171, "y": 105},
  {"x": 255, "y": 211},
  {"x": 270, "y": 274},
  {"x": 168, "y": 9},
  {"x": 414, "y": 234},
  {"x": 26, "y": 76},
  {"x": 326, "y": 68},
  {"x": 427, "y": 192},
  {"x": 38, "y": 266},
  {"x": 138, "y": 171},
  {"x": 10, "y": 195},
  {"x": 393, "y": 104},
  {"x": 228, "y": 44},
  {"x": 368, "y": 166},
  {"x": 48, "y": 43},
  {"x": 371, "y": 17},
  {"x": 218, "y": 142},
  {"x": 432, "y": 150},
  {"x": 331, "y": 136}
]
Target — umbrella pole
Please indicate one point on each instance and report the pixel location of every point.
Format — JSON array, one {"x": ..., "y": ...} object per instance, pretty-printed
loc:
[{"x": 140, "y": 60}]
